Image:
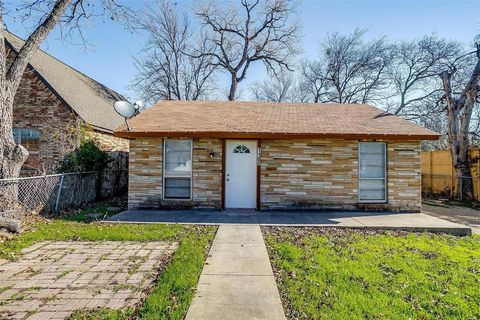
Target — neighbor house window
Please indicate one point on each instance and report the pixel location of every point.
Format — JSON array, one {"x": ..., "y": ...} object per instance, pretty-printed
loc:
[
  {"x": 372, "y": 172},
  {"x": 29, "y": 138},
  {"x": 177, "y": 164}
]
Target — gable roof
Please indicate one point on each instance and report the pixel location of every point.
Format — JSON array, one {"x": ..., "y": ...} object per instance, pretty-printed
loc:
[
  {"x": 91, "y": 100},
  {"x": 245, "y": 119}
]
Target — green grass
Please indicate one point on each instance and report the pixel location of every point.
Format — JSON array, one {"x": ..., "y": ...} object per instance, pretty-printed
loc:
[
  {"x": 82, "y": 215},
  {"x": 340, "y": 274},
  {"x": 104, "y": 314},
  {"x": 176, "y": 286},
  {"x": 71, "y": 230},
  {"x": 174, "y": 290}
]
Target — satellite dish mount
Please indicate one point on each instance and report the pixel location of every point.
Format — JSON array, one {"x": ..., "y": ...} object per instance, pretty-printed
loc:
[{"x": 128, "y": 110}]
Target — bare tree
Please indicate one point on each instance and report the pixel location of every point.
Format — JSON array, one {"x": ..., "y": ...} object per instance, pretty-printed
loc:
[
  {"x": 167, "y": 71},
  {"x": 12, "y": 65},
  {"x": 274, "y": 90},
  {"x": 314, "y": 78},
  {"x": 285, "y": 88},
  {"x": 414, "y": 72},
  {"x": 349, "y": 69},
  {"x": 253, "y": 30},
  {"x": 460, "y": 102}
]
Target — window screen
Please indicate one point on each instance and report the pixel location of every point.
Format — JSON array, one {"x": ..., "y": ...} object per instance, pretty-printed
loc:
[
  {"x": 372, "y": 171},
  {"x": 177, "y": 169}
]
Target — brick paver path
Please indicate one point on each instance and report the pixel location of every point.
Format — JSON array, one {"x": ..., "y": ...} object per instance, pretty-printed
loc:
[{"x": 53, "y": 279}]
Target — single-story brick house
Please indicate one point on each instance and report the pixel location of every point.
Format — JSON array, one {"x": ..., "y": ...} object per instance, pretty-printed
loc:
[
  {"x": 267, "y": 156},
  {"x": 56, "y": 107}
]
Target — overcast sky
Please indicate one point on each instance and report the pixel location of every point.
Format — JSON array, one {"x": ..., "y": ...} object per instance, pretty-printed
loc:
[{"x": 109, "y": 58}]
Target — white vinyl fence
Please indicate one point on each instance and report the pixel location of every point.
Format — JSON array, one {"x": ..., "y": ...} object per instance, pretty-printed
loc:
[{"x": 51, "y": 193}]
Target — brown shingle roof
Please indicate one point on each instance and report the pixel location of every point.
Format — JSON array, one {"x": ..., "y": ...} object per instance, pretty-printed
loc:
[
  {"x": 243, "y": 119},
  {"x": 91, "y": 100}
]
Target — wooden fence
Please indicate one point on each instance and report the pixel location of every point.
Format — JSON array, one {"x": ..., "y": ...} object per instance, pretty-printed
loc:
[{"x": 439, "y": 177}]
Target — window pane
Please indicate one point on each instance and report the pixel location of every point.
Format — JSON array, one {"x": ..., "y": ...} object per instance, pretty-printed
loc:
[
  {"x": 31, "y": 139},
  {"x": 372, "y": 171},
  {"x": 372, "y": 184},
  {"x": 17, "y": 135},
  {"x": 177, "y": 188},
  {"x": 178, "y": 158},
  {"x": 372, "y": 189},
  {"x": 26, "y": 137},
  {"x": 373, "y": 195},
  {"x": 30, "y": 134},
  {"x": 372, "y": 147},
  {"x": 372, "y": 160}
]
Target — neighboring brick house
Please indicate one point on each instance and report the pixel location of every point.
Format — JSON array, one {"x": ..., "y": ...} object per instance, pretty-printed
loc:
[
  {"x": 56, "y": 108},
  {"x": 273, "y": 156}
]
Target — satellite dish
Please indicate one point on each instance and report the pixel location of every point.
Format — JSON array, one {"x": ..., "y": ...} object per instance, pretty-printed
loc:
[{"x": 126, "y": 110}]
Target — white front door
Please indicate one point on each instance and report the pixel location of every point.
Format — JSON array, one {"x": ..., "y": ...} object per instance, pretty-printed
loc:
[{"x": 241, "y": 174}]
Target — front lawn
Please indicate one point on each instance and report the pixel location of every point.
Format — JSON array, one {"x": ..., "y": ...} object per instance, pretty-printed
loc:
[
  {"x": 175, "y": 288},
  {"x": 358, "y": 274}
]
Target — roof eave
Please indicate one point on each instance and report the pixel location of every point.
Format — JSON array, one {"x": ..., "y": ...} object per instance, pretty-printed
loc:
[{"x": 271, "y": 135}]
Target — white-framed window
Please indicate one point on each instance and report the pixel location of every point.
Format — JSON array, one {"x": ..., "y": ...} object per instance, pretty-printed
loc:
[
  {"x": 177, "y": 169},
  {"x": 372, "y": 185}
]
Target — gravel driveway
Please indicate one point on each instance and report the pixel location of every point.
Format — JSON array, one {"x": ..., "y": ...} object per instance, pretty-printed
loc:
[{"x": 458, "y": 214}]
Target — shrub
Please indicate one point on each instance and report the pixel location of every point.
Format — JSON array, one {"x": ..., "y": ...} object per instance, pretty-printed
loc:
[{"x": 87, "y": 157}]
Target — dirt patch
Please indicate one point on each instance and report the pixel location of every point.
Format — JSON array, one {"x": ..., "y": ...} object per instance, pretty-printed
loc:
[
  {"x": 16, "y": 211},
  {"x": 296, "y": 234}
]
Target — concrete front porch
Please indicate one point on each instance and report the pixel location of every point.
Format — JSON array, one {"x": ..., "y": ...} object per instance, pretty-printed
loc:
[{"x": 343, "y": 219}]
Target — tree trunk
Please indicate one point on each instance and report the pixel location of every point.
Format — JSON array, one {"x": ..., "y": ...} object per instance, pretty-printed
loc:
[
  {"x": 461, "y": 164},
  {"x": 459, "y": 148},
  {"x": 464, "y": 184},
  {"x": 11, "y": 225},
  {"x": 459, "y": 113},
  {"x": 12, "y": 155},
  {"x": 233, "y": 88}
]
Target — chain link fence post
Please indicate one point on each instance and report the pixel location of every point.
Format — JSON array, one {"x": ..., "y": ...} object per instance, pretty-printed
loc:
[
  {"x": 461, "y": 187},
  {"x": 59, "y": 192}
]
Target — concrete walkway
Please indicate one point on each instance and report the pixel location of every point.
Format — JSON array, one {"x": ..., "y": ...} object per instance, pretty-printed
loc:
[
  {"x": 346, "y": 219},
  {"x": 237, "y": 280}
]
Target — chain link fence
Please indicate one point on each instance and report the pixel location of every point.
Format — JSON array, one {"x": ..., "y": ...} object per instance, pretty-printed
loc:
[{"x": 52, "y": 193}]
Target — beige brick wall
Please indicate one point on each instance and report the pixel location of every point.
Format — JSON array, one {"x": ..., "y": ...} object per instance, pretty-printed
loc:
[
  {"x": 308, "y": 174},
  {"x": 145, "y": 175},
  {"x": 207, "y": 173},
  {"x": 404, "y": 176},
  {"x": 295, "y": 174},
  {"x": 323, "y": 174}
]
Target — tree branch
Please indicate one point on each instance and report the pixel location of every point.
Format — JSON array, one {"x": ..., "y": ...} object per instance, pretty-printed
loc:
[{"x": 15, "y": 72}]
